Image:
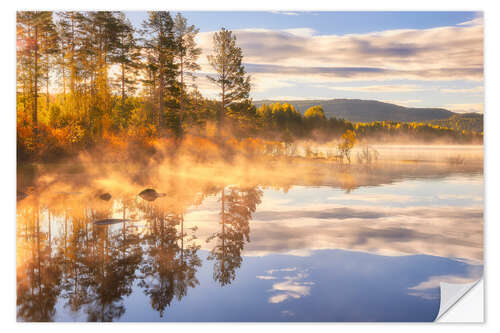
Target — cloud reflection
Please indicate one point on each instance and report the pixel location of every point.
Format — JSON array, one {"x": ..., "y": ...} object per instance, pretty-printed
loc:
[
  {"x": 291, "y": 286},
  {"x": 446, "y": 231}
]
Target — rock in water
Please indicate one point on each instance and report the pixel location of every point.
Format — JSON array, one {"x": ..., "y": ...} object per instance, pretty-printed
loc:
[
  {"x": 150, "y": 194},
  {"x": 110, "y": 221},
  {"x": 105, "y": 196}
]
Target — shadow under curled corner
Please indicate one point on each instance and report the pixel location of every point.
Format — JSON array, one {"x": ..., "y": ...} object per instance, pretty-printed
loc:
[{"x": 455, "y": 301}]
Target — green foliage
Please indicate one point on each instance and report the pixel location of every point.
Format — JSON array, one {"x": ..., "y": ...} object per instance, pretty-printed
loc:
[
  {"x": 389, "y": 131},
  {"x": 470, "y": 122},
  {"x": 230, "y": 77}
]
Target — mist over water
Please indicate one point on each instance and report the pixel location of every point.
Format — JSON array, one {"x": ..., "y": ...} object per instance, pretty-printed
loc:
[{"x": 247, "y": 238}]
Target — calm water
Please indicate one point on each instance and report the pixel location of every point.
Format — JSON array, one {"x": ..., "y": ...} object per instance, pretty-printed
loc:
[{"x": 365, "y": 243}]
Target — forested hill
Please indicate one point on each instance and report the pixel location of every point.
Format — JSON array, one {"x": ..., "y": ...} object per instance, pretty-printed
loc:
[
  {"x": 462, "y": 122},
  {"x": 357, "y": 110}
]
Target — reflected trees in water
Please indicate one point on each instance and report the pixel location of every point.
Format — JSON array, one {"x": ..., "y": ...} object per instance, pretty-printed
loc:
[
  {"x": 237, "y": 206},
  {"x": 168, "y": 268},
  {"x": 67, "y": 261},
  {"x": 38, "y": 270}
]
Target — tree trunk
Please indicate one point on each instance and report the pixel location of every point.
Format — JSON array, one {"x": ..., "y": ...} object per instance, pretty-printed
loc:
[
  {"x": 123, "y": 75},
  {"x": 123, "y": 90},
  {"x": 181, "y": 111},
  {"x": 48, "y": 79},
  {"x": 223, "y": 231},
  {"x": 223, "y": 111},
  {"x": 182, "y": 239},
  {"x": 162, "y": 101},
  {"x": 35, "y": 104},
  {"x": 73, "y": 66},
  {"x": 63, "y": 70},
  {"x": 38, "y": 246},
  {"x": 161, "y": 82}
]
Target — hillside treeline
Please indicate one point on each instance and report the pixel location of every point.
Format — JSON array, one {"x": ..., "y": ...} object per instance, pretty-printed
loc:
[{"x": 470, "y": 122}]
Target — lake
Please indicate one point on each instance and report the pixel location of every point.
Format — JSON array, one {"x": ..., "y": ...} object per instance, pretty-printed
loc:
[{"x": 297, "y": 240}]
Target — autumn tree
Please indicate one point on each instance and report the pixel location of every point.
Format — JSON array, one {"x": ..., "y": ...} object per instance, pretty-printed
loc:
[
  {"x": 127, "y": 57},
  {"x": 315, "y": 112},
  {"x": 35, "y": 32},
  {"x": 344, "y": 147},
  {"x": 230, "y": 76},
  {"x": 160, "y": 45},
  {"x": 71, "y": 53},
  {"x": 89, "y": 46},
  {"x": 102, "y": 44},
  {"x": 48, "y": 50}
]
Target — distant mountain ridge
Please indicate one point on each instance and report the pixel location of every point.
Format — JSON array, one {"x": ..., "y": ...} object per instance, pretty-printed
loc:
[{"x": 357, "y": 110}]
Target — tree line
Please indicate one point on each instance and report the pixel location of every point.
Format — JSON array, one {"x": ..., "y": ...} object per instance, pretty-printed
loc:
[
  {"x": 114, "y": 78},
  {"x": 281, "y": 121},
  {"x": 84, "y": 78}
]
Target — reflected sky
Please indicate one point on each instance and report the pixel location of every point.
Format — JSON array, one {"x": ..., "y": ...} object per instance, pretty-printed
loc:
[
  {"x": 329, "y": 285},
  {"x": 353, "y": 244}
]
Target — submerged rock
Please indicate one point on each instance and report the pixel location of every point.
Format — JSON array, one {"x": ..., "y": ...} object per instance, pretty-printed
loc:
[
  {"x": 150, "y": 194},
  {"x": 110, "y": 221},
  {"x": 105, "y": 196}
]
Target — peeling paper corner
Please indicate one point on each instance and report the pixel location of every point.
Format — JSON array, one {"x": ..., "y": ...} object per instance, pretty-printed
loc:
[{"x": 451, "y": 294}]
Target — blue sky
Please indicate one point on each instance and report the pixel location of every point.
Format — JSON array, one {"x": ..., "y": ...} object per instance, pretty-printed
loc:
[
  {"x": 323, "y": 22},
  {"x": 418, "y": 59}
]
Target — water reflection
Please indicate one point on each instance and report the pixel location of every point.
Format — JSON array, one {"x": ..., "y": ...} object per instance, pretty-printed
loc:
[
  {"x": 169, "y": 267},
  {"x": 80, "y": 257},
  {"x": 38, "y": 270},
  {"x": 93, "y": 260},
  {"x": 237, "y": 206}
]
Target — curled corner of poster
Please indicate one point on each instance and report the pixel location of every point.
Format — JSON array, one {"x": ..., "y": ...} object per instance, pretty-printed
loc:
[{"x": 461, "y": 303}]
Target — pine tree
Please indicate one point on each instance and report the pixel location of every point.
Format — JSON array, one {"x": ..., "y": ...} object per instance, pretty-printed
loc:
[
  {"x": 73, "y": 62},
  {"x": 160, "y": 47},
  {"x": 70, "y": 35},
  {"x": 187, "y": 55},
  {"x": 128, "y": 59},
  {"x": 37, "y": 35},
  {"x": 230, "y": 75},
  {"x": 47, "y": 48},
  {"x": 101, "y": 44}
]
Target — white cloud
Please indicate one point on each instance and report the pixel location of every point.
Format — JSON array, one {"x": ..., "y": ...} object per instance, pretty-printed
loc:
[
  {"x": 381, "y": 88},
  {"x": 356, "y": 196},
  {"x": 479, "y": 20},
  {"x": 435, "y": 281},
  {"x": 459, "y": 197},
  {"x": 301, "y": 32},
  {"x": 281, "y": 58},
  {"x": 285, "y": 13},
  {"x": 293, "y": 98},
  {"x": 278, "y": 298},
  {"x": 478, "y": 89},
  {"x": 287, "y": 269},
  {"x": 294, "y": 286},
  {"x": 465, "y": 107},
  {"x": 295, "y": 58}
]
